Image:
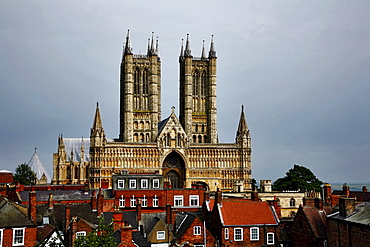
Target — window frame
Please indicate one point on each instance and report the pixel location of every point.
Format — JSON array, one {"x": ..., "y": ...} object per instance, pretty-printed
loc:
[
  {"x": 144, "y": 202},
  {"x": 156, "y": 183},
  {"x": 292, "y": 202},
  {"x": 273, "y": 238},
  {"x": 45, "y": 220},
  {"x": 226, "y": 233},
  {"x": 238, "y": 236},
  {"x": 257, "y": 238},
  {"x": 132, "y": 183},
  {"x": 1, "y": 237},
  {"x": 144, "y": 182},
  {"x": 80, "y": 234},
  {"x": 197, "y": 230},
  {"x": 121, "y": 202},
  {"x": 132, "y": 201},
  {"x": 15, "y": 237},
  {"x": 122, "y": 182},
  {"x": 155, "y": 201},
  {"x": 178, "y": 198},
  {"x": 161, "y": 232},
  {"x": 194, "y": 197}
]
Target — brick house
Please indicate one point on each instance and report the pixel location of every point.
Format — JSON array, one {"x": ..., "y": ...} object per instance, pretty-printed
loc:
[
  {"x": 309, "y": 225},
  {"x": 192, "y": 230},
  {"x": 238, "y": 222},
  {"x": 350, "y": 226},
  {"x": 16, "y": 225},
  {"x": 332, "y": 197}
]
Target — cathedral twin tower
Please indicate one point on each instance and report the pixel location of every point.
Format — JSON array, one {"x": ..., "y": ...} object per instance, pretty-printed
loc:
[{"x": 184, "y": 150}]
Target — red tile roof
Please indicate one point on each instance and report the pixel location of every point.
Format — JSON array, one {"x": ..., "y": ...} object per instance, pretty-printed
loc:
[{"x": 241, "y": 212}]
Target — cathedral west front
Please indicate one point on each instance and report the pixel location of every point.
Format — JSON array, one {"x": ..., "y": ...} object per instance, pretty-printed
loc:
[{"x": 183, "y": 149}]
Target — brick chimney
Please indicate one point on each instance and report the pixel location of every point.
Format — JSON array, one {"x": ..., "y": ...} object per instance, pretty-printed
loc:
[
  {"x": 307, "y": 201},
  {"x": 100, "y": 202},
  {"x": 32, "y": 206},
  {"x": 364, "y": 189},
  {"x": 327, "y": 193},
  {"x": 319, "y": 204},
  {"x": 67, "y": 215},
  {"x": 206, "y": 196},
  {"x": 93, "y": 201},
  {"x": 346, "y": 206},
  {"x": 126, "y": 236},
  {"x": 138, "y": 212},
  {"x": 51, "y": 201},
  {"x": 117, "y": 220},
  {"x": 218, "y": 197},
  {"x": 254, "y": 195},
  {"x": 345, "y": 189},
  {"x": 168, "y": 214}
]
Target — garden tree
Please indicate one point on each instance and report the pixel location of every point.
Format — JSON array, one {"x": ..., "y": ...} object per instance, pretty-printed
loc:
[
  {"x": 298, "y": 178},
  {"x": 24, "y": 175},
  {"x": 102, "y": 236}
]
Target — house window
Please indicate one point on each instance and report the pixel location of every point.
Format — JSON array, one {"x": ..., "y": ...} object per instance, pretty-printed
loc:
[
  {"x": 18, "y": 236},
  {"x": 270, "y": 238},
  {"x": 238, "y": 234},
  {"x": 198, "y": 245},
  {"x": 197, "y": 230},
  {"x": 155, "y": 183},
  {"x": 292, "y": 202},
  {"x": 178, "y": 201},
  {"x": 80, "y": 234},
  {"x": 161, "y": 235},
  {"x": 132, "y": 184},
  {"x": 144, "y": 183},
  {"x": 122, "y": 202},
  {"x": 144, "y": 202},
  {"x": 226, "y": 232},
  {"x": 194, "y": 200},
  {"x": 255, "y": 234},
  {"x": 45, "y": 220},
  {"x": 132, "y": 201},
  {"x": 1, "y": 237},
  {"x": 121, "y": 183},
  {"x": 155, "y": 201}
]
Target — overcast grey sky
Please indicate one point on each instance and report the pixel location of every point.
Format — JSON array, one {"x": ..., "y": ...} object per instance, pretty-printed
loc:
[{"x": 300, "y": 68}]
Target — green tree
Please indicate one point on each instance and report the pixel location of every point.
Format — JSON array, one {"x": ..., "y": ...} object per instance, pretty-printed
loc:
[
  {"x": 298, "y": 178},
  {"x": 102, "y": 236},
  {"x": 24, "y": 175}
]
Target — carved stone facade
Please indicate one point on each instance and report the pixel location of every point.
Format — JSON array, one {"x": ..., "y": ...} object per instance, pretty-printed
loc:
[{"x": 184, "y": 150}]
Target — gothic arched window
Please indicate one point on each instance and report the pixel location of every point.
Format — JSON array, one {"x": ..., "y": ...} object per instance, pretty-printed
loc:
[{"x": 136, "y": 81}]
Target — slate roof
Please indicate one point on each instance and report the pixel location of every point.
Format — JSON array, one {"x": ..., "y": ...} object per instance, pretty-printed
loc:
[
  {"x": 13, "y": 215},
  {"x": 316, "y": 220},
  {"x": 57, "y": 195},
  {"x": 360, "y": 216},
  {"x": 57, "y": 214},
  {"x": 246, "y": 213}
]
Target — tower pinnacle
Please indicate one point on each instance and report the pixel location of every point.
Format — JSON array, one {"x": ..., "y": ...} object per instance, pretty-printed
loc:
[
  {"x": 187, "y": 47},
  {"x": 212, "y": 51},
  {"x": 128, "y": 49}
]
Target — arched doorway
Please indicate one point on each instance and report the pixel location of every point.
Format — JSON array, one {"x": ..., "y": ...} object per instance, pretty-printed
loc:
[{"x": 174, "y": 170}]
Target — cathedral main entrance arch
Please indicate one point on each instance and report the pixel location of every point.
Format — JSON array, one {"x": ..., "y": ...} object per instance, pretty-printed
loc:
[{"x": 174, "y": 170}]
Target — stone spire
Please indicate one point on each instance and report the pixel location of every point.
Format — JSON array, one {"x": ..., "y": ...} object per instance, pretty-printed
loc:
[
  {"x": 243, "y": 127},
  {"x": 97, "y": 135},
  {"x": 128, "y": 48},
  {"x": 203, "y": 56},
  {"x": 157, "y": 46},
  {"x": 212, "y": 51},
  {"x": 242, "y": 134},
  {"x": 37, "y": 167},
  {"x": 97, "y": 119},
  {"x": 181, "y": 57},
  {"x": 152, "y": 49},
  {"x": 187, "y": 52}
]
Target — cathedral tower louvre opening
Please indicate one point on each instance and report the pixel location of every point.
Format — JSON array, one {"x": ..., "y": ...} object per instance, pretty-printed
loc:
[{"x": 184, "y": 150}]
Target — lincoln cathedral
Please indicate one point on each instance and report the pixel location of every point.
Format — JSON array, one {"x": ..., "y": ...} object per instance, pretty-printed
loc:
[{"x": 183, "y": 149}]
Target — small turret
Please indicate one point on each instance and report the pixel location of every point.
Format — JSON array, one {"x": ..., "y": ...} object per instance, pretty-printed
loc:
[
  {"x": 212, "y": 51},
  {"x": 128, "y": 48},
  {"x": 187, "y": 52},
  {"x": 152, "y": 49},
  {"x": 97, "y": 135},
  {"x": 181, "y": 57},
  {"x": 243, "y": 135},
  {"x": 203, "y": 56}
]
